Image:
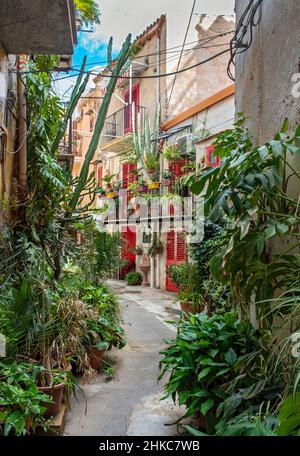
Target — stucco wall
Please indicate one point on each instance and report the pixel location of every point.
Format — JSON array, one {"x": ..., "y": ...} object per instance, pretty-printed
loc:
[
  {"x": 264, "y": 72},
  {"x": 199, "y": 83}
]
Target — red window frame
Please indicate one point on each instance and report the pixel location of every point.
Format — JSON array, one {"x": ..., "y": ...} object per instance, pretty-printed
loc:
[
  {"x": 128, "y": 109},
  {"x": 212, "y": 161}
]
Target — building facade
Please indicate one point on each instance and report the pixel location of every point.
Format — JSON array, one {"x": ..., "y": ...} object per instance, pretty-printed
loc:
[{"x": 42, "y": 30}]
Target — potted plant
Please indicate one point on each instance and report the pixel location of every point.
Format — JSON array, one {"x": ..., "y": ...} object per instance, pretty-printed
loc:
[
  {"x": 157, "y": 246},
  {"x": 59, "y": 381},
  {"x": 186, "y": 277},
  {"x": 133, "y": 278},
  {"x": 138, "y": 250},
  {"x": 110, "y": 193},
  {"x": 171, "y": 152},
  {"x": 133, "y": 188},
  {"x": 167, "y": 176},
  {"x": 142, "y": 185},
  {"x": 23, "y": 405}
]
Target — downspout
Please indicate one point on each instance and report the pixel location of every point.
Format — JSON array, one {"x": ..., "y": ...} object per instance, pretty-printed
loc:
[
  {"x": 158, "y": 257},
  {"x": 22, "y": 136}
]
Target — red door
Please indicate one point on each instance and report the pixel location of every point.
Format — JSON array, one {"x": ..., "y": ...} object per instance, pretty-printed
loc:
[
  {"x": 128, "y": 244},
  {"x": 128, "y": 109},
  {"x": 176, "y": 254}
]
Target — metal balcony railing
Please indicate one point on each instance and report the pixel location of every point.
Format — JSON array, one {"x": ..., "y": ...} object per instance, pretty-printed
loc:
[{"x": 121, "y": 122}]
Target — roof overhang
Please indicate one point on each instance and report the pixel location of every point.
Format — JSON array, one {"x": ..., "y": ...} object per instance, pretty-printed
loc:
[
  {"x": 199, "y": 107},
  {"x": 38, "y": 26}
]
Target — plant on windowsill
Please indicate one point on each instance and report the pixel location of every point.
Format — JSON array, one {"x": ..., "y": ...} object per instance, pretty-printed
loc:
[{"x": 157, "y": 246}]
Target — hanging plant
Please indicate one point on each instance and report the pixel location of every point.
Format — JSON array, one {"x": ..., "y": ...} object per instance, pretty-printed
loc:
[{"x": 157, "y": 246}]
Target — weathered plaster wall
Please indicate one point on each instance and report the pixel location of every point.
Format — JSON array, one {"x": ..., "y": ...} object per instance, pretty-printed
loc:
[
  {"x": 264, "y": 72},
  {"x": 199, "y": 83}
]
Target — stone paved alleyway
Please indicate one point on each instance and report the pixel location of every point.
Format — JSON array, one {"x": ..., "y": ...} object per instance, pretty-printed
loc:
[{"x": 130, "y": 403}]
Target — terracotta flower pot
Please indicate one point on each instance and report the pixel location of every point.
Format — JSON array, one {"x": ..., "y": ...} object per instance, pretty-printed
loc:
[
  {"x": 189, "y": 308},
  {"x": 56, "y": 393},
  {"x": 96, "y": 357}
]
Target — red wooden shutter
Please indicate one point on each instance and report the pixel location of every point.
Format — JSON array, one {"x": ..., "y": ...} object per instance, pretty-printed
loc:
[
  {"x": 128, "y": 244},
  {"x": 212, "y": 160},
  {"x": 171, "y": 246},
  {"x": 125, "y": 175},
  {"x": 181, "y": 248},
  {"x": 176, "y": 254}
]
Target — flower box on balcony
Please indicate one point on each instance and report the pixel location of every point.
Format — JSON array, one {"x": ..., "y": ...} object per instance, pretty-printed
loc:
[
  {"x": 111, "y": 194},
  {"x": 153, "y": 185},
  {"x": 142, "y": 189}
]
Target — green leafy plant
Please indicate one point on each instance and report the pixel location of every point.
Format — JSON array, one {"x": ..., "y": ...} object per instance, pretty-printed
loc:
[
  {"x": 186, "y": 277},
  {"x": 156, "y": 247},
  {"x": 133, "y": 278},
  {"x": 146, "y": 144},
  {"x": 252, "y": 188},
  {"x": 215, "y": 368},
  {"x": 21, "y": 403},
  {"x": 171, "y": 152}
]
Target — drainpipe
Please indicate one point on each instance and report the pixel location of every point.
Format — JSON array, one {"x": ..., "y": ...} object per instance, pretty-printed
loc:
[
  {"x": 22, "y": 136},
  {"x": 158, "y": 257}
]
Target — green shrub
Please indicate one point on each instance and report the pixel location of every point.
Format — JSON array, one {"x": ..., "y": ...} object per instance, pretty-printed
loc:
[
  {"x": 21, "y": 403},
  {"x": 133, "y": 278},
  {"x": 216, "y": 368}
]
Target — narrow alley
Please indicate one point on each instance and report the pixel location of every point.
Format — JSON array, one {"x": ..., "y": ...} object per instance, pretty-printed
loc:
[{"x": 130, "y": 403}]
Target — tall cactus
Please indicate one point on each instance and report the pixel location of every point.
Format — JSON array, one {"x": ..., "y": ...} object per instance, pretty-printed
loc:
[
  {"x": 116, "y": 71},
  {"x": 145, "y": 144},
  {"x": 77, "y": 91}
]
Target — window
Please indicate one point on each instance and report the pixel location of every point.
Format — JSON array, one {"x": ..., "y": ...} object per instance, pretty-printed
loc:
[{"x": 212, "y": 160}]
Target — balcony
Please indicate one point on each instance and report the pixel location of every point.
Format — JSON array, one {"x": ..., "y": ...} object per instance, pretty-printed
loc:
[
  {"x": 38, "y": 26},
  {"x": 118, "y": 128}
]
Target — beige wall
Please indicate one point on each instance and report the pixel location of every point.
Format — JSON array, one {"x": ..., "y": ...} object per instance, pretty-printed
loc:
[
  {"x": 203, "y": 81},
  {"x": 264, "y": 72}
]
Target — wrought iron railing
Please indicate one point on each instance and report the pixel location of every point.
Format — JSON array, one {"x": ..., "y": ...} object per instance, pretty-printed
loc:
[{"x": 121, "y": 122}]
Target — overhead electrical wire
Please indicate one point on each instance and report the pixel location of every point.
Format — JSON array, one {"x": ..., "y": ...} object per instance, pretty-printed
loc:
[
  {"x": 243, "y": 36},
  {"x": 182, "y": 49},
  {"x": 154, "y": 76},
  {"x": 170, "y": 50}
]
